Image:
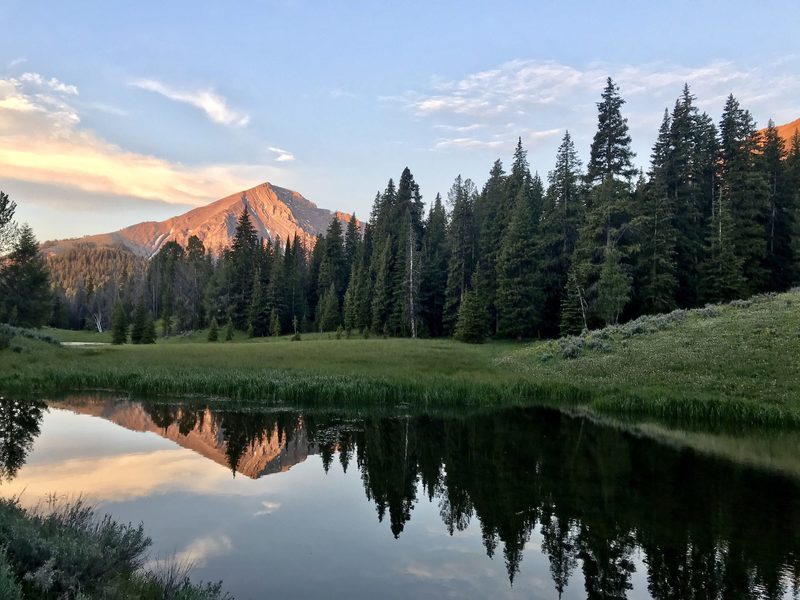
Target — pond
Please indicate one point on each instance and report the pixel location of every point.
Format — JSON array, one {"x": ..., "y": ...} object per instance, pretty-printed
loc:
[{"x": 297, "y": 503}]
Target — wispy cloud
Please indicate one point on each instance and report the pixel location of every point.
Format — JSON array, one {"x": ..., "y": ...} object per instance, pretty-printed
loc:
[
  {"x": 282, "y": 155},
  {"x": 16, "y": 62},
  {"x": 546, "y": 97},
  {"x": 108, "y": 109},
  {"x": 211, "y": 103},
  {"x": 52, "y": 83},
  {"x": 200, "y": 549},
  {"x": 338, "y": 93},
  {"x": 267, "y": 508},
  {"x": 41, "y": 141}
]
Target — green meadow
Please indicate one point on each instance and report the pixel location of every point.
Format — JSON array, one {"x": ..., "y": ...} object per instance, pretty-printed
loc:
[{"x": 732, "y": 363}]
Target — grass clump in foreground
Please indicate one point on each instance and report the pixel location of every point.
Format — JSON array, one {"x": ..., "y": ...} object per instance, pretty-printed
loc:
[
  {"x": 67, "y": 552},
  {"x": 738, "y": 363}
]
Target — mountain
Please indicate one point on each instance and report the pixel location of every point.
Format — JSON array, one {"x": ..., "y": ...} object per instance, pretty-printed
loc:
[
  {"x": 270, "y": 453},
  {"x": 787, "y": 131},
  {"x": 276, "y": 213}
]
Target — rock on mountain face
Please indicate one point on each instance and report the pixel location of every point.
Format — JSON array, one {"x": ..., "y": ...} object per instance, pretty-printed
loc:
[{"x": 276, "y": 213}]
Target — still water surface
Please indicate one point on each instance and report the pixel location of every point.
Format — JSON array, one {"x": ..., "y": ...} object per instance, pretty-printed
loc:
[{"x": 509, "y": 503}]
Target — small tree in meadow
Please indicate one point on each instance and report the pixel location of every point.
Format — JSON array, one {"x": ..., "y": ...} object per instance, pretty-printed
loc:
[
  {"x": 139, "y": 323},
  {"x": 213, "y": 330},
  {"x": 119, "y": 325},
  {"x": 229, "y": 330},
  {"x": 471, "y": 323},
  {"x": 149, "y": 333},
  {"x": 274, "y": 323}
]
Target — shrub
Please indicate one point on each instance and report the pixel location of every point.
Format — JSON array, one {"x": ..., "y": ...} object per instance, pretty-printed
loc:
[{"x": 5, "y": 339}]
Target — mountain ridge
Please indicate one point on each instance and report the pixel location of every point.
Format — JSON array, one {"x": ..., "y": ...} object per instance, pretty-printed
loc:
[{"x": 277, "y": 213}]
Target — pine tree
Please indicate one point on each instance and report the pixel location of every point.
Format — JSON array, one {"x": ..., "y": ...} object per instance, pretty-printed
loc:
[
  {"x": 259, "y": 314},
  {"x": 573, "y": 307},
  {"x": 613, "y": 288},
  {"x": 242, "y": 259},
  {"x": 119, "y": 325},
  {"x": 611, "y": 154},
  {"x": 352, "y": 241},
  {"x": 139, "y": 323},
  {"x": 607, "y": 220},
  {"x": 519, "y": 285},
  {"x": 562, "y": 216},
  {"x": 274, "y": 324},
  {"x": 8, "y": 228},
  {"x": 381, "y": 298},
  {"x": 471, "y": 324},
  {"x": 329, "y": 318},
  {"x": 334, "y": 267},
  {"x": 461, "y": 248},
  {"x": 780, "y": 218},
  {"x": 745, "y": 188},
  {"x": 493, "y": 210},
  {"x": 433, "y": 284},
  {"x": 229, "y": 330},
  {"x": 213, "y": 330},
  {"x": 793, "y": 177},
  {"x": 149, "y": 333},
  {"x": 657, "y": 281},
  {"x": 25, "y": 283},
  {"x": 722, "y": 268}
]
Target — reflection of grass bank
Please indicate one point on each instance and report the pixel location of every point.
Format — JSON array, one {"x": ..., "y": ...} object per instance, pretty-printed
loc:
[
  {"x": 69, "y": 552},
  {"x": 732, "y": 363}
]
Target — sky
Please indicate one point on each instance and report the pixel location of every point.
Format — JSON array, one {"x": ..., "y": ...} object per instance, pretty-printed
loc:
[{"x": 116, "y": 113}]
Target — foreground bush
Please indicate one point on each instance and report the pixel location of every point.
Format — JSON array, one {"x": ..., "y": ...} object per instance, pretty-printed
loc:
[{"x": 68, "y": 552}]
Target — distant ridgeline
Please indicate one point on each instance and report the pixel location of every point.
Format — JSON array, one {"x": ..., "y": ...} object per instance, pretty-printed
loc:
[{"x": 716, "y": 217}]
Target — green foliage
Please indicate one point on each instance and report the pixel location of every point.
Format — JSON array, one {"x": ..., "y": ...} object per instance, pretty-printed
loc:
[
  {"x": 149, "y": 332},
  {"x": 139, "y": 324},
  {"x": 229, "y": 330},
  {"x": 461, "y": 242},
  {"x": 519, "y": 292},
  {"x": 613, "y": 288},
  {"x": 119, "y": 325},
  {"x": 213, "y": 330},
  {"x": 25, "y": 296},
  {"x": 328, "y": 311},
  {"x": 471, "y": 324},
  {"x": 274, "y": 323}
]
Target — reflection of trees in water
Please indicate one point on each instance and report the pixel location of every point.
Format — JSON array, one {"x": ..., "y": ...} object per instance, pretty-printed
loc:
[
  {"x": 596, "y": 496},
  {"x": 19, "y": 426}
]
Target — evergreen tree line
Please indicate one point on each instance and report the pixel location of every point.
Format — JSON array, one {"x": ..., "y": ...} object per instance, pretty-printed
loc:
[{"x": 714, "y": 218}]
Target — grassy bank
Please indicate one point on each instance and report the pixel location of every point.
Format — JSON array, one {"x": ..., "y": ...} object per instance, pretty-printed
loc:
[
  {"x": 737, "y": 363},
  {"x": 68, "y": 552}
]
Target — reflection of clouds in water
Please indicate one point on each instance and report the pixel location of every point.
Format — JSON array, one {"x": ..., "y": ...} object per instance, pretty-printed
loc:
[
  {"x": 127, "y": 476},
  {"x": 267, "y": 508},
  {"x": 195, "y": 554},
  {"x": 203, "y": 548}
]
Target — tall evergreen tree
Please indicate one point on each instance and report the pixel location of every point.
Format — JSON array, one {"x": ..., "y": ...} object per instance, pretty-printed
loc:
[
  {"x": 258, "y": 322},
  {"x": 779, "y": 261},
  {"x": 493, "y": 210},
  {"x": 434, "y": 269},
  {"x": 608, "y": 206},
  {"x": 382, "y": 294},
  {"x": 562, "y": 216},
  {"x": 745, "y": 187},
  {"x": 138, "y": 324},
  {"x": 573, "y": 307},
  {"x": 461, "y": 248},
  {"x": 119, "y": 325},
  {"x": 793, "y": 177},
  {"x": 611, "y": 154},
  {"x": 519, "y": 285},
  {"x": 242, "y": 257},
  {"x": 613, "y": 288},
  {"x": 329, "y": 317},
  {"x": 655, "y": 224},
  {"x": 471, "y": 324},
  {"x": 25, "y": 283},
  {"x": 722, "y": 268}
]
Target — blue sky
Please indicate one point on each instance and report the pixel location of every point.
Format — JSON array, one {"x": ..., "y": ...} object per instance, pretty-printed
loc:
[{"x": 114, "y": 113}]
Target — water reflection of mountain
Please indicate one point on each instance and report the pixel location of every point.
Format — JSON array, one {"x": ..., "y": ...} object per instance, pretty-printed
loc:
[
  {"x": 240, "y": 441},
  {"x": 601, "y": 501}
]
